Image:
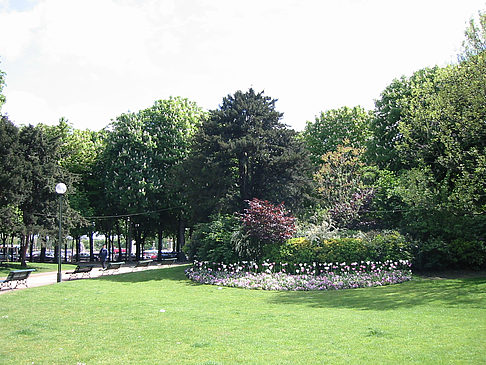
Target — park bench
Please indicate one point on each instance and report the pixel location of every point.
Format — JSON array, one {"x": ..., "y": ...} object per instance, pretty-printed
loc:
[
  {"x": 112, "y": 267},
  {"x": 82, "y": 270},
  {"x": 16, "y": 278},
  {"x": 142, "y": 263},
  {"x": 168, "y": 260}
]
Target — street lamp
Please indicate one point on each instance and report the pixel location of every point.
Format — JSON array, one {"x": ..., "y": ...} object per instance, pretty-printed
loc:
[{"x": 60, "y": 190}]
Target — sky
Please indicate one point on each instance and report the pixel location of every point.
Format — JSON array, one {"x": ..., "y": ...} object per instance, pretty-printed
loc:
[{"x": 91, "y": 60}]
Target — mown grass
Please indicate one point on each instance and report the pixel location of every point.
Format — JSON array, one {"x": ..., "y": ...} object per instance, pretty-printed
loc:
[
  {"x": 159, "y": 317},
  {"x": 38, "y": 266}
]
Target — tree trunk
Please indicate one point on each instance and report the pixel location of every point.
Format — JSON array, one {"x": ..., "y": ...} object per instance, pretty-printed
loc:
[
  {"x": 128, "y": 249},
  {"x": 12, "y": 247},
  {"x": 78, "y": 247},
  {"x": 244, "y": 177},
  {"x": 31, "y": 247},
  {"x": 24, "y": 242},
  {"x": 181, "y": 240},
  {"x": 111, "y": 247},
  {"x": 119, "y": 245},
  {"x": 91, "y": 246},
  {"x": 4, "y": 241},
  {"x": 159, "y": 245},
  {"x": 42, "y": 257}
]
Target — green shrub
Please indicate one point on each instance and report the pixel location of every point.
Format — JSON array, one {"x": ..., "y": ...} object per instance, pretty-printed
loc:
[
  {"x": 212, "y": 241},
  {"x": 294, "y": 251},
  {"x": 468, "y": 254},
  {"x": 438, "y": 254},
  {"x": 342, "y": 250},
  {"x": 432, "y": 254},
  {"x": 389, "y": 245}
]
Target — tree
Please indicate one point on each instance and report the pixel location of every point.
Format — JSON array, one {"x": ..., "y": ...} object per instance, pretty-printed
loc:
[
  {"x": 444, "y": 133},
  {"x": 443, "y": 146},
  {"x": 263, "y": 225},
  {"x": 475, "y": 38},
  {"x": 391, "y": 110},
  {"x": 142, "y": 150},
  {"x": 11, "y": 184},
  {"x": 40, "y": 171},
  {"x": 2, "y": 85},
  {"x": 340, "y": 183},
  {"x": 79, "y": 151},
  {"x": 335, "y": 127},
  {"x": 243, "y": 151}
]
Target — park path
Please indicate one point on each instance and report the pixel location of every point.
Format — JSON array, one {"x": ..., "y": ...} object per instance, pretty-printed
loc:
[{"x": 47, "y": 278}]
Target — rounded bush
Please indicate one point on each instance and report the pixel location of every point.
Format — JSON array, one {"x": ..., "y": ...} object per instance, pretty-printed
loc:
[
  {"x": 388, "y": 245},
  {"x": 343, "y": 250}
]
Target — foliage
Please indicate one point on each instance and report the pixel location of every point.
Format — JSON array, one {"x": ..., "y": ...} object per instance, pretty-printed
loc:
[
  {"x": 387, "y": 205},
  {"x": 390, "y": 114},
  {"x": 317, "y": 232},
  {"x": 431, "y": 254},
  {"x": 346, "y": 249},
  {"x": 428, "y": 137},
  {"x": 475, "y": 42},
  {"x": 267, "y": 222},
  {"x": 79, "y": 152},
  {"x": 141, "y": 154},
  {"x": 332, "y": 128},
  {"x": 295, "y": 250},
  {"x": 444, "y": 134},
  {"x": 2, "y": 85},
  {"x": 212, "y": 241},
  {"x": 470, "y": 254},
  {"x": 376, "y": 246},
  {"x": 10, "y": 163},
  {"x": 263, "y": 224},
  {"x": 340, "y": 183},
  {"x": 437, "y": 254},
  {"x": 389, "y": 245},
  {"x": 243, "y": 151}
]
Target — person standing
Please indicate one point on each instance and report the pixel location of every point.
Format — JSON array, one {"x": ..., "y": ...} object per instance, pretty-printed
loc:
[{"x": 103, "y": 256}]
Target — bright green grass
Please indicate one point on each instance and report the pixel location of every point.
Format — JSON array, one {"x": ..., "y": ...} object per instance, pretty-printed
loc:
[
  {"x": 118, "y": 320},
  {"x": 39, "y": 267}
]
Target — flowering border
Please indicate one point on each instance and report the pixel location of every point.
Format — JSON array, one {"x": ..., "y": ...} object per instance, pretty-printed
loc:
[{"x": 315, "y": 276}]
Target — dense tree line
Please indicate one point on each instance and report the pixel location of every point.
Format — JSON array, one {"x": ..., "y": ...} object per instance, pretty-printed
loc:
[{"x": 416, "y": 163}]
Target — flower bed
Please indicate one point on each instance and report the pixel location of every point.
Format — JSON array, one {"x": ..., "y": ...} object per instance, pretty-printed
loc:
[{"x": 317, "y": 276}]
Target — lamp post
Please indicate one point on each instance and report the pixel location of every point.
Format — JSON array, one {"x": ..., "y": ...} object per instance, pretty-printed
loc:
[{"x": 60, "y": 190}]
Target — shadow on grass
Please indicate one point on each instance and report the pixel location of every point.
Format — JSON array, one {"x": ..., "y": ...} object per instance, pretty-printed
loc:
[
  {"x": 465, "y": 293},
  {"x": 175, "y": 273},
  {"x": 38, "y": 266}
]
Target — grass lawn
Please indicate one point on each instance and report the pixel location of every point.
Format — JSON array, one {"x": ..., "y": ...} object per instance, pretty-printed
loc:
[
  {"x": 159, "y": 317},
  {"x": 38, "y": 266}
]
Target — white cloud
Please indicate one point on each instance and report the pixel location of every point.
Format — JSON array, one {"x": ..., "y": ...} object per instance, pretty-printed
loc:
[{"x": 90, "y": 60}]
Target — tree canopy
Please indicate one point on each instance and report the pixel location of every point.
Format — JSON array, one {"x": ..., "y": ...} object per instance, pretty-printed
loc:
[{"x": 243, "y": 151}]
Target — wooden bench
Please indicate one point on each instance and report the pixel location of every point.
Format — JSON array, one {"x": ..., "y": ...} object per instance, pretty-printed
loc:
[
  {"x": 112, "y": 267},
  {"x": 142, "y": 263},
  {"x": 168, "y": 260},
  {"x": 16, "y": 278},
  {"x": 83, "y": 270}
]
